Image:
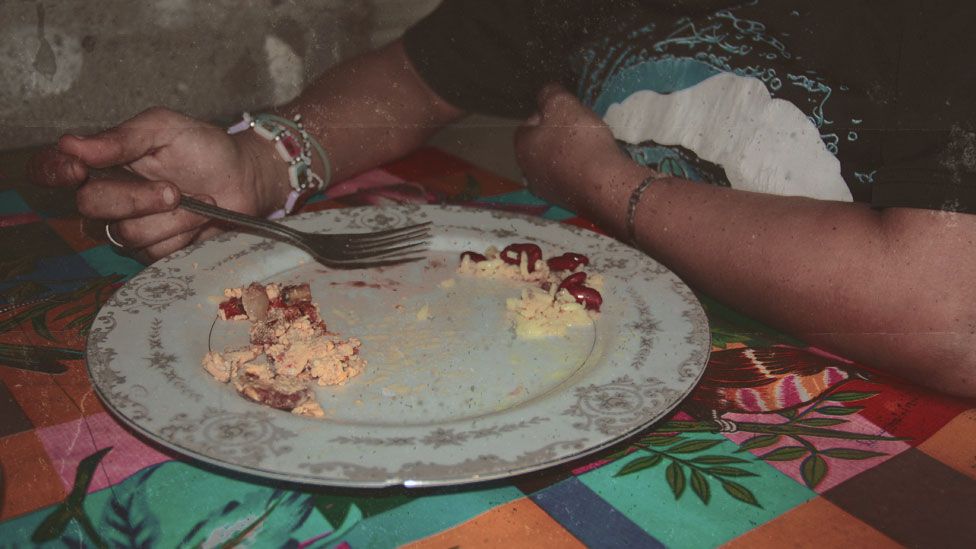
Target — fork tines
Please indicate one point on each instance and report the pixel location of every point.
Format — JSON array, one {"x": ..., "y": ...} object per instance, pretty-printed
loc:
[{"x": 393, "y": 245}]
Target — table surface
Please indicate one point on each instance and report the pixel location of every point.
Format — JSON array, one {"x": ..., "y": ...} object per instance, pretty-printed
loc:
[{"x": 863, "y": 459}]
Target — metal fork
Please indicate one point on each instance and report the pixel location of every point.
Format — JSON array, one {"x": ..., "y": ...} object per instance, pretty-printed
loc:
[
  {"x": 348, "y": 250},
  {"x": 333, "y": 250}
]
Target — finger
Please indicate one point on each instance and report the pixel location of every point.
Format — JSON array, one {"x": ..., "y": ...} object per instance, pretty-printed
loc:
[
  {"x": 53, "y": 168},
  {"x": 162, "y": 249},
  {"x": 209, "y": 231},
  {"x": 127, "y": 142},
  {"x": 114, "y": 199},
  {"x": 150, "y": 230}
]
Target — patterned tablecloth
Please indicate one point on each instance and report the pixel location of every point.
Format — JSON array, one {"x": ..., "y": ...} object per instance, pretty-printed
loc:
[{"x": 812, "y": 451}]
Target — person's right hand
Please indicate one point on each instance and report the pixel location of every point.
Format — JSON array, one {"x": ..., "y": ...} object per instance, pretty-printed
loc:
[
  {"x": 569, "y": 158},
  {"x": 174, "y": 154}
]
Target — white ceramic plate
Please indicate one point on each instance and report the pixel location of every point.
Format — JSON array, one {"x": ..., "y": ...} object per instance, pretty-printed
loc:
[{"x": 448, "y": 399}]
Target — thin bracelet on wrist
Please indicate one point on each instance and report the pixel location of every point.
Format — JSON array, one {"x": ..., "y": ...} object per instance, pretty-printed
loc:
[
  {"x": 296, "y": 147},
  {"x": 635, "y": 200}
]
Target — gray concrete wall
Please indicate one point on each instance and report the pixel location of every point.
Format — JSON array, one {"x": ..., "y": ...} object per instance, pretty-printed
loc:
[
  {"x": 83, "y": 65},
  {"x": 80, "y": 65}
]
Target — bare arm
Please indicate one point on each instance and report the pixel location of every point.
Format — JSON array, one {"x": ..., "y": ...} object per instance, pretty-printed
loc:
[
  {"x": 892, "y": 289},
  {"x": 366, "y": 111},
  {"x": 889, "y": 288}
]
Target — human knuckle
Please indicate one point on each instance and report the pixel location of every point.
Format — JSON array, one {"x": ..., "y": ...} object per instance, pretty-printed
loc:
[
  {"x": 548, "y": 91},
  {"x": 145, "y": 201},
  {"x": 559, "y": 101},
  {"x": 127, "y": 232},
  {"x": 87, "y": 202}
]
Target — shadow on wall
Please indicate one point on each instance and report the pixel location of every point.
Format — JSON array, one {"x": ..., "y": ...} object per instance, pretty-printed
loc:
[{"x": 82, "y": 65}]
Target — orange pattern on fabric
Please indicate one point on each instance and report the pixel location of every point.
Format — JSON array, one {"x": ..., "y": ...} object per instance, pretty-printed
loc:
[
  {"x": 520, "y": 523},
  {"x": 53, "y": 399},
  {"x": 22, "y": 457},
  {"x": 814, "y": 525},
  {"x": 955, "y": 444}
]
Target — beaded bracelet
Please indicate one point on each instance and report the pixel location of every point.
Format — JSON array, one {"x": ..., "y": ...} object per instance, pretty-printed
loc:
[
  {"x": 294, "y": 146},
  {"x": 634, "y": 200}
]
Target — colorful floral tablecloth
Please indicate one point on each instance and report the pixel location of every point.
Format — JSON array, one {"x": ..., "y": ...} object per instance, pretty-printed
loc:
[{"x": 811, "y": 450}]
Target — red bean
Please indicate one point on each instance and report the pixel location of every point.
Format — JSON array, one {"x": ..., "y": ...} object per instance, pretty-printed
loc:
[
  {"x": 575, "y": 279},
  {"x": 232, "y": 307},
  {"x": 567, "y": 262},
  {"x": 512, "y": 252},
  {"x": 588, "y": 297},
  {"x": 575, "y": 285}
]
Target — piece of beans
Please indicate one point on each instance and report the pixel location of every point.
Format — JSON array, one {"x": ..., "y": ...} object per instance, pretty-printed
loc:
[
  {"x": 512, "y": 253},
  {"x": 575, "y": 279},
  {"x": 569, "y": 261},
  {"x": 232, "y": 308},
  {"x": 588, "y": 297}
]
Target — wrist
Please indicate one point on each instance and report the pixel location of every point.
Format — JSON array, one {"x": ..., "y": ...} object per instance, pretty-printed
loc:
[
  {"x": 636, "y": 198},
  {"x": 265, "y": 172},
  {"x": 296, "y": 147},
  {"x": 615, "y": 188}
]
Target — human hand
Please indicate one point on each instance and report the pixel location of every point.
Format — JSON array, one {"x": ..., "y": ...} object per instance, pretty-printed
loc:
[
  {"x": 174, "y": 154},
  {"x": 570, "y": 158}
]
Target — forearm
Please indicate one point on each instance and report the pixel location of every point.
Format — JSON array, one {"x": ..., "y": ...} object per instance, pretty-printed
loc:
[
  {"x": 365, "y": 112},
  {"x": 370, "y": 110},
  {"x": 888, "y": 288}
]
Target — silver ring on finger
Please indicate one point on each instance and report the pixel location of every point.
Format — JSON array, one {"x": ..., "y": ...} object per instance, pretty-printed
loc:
[{"x": 111, "y": 237}]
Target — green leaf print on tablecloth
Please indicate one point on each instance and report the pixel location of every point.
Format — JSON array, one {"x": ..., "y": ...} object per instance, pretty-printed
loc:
[{"x": 177, "y": 504}]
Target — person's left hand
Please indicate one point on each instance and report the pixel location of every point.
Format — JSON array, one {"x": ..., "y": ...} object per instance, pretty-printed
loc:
[{"x": 569, "y": 157}]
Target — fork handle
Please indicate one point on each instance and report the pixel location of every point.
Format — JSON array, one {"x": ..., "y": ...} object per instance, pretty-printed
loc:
[
  {"x": 237, "y": 218},
  {"x": 187, "y": 203}
]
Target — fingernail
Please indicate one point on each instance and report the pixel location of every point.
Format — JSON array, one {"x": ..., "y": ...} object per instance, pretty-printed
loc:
[
  {"x": 169, "y": 196},
  {"x": 76, "y": 136},
  {"x": 533, "y": 120}
]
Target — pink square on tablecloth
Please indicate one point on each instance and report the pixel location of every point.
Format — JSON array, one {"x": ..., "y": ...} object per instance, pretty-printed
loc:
[
  {"x": 839, "y": 470},
  {"x": 69, "y": 443}
]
